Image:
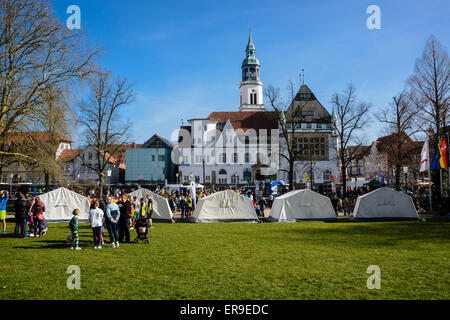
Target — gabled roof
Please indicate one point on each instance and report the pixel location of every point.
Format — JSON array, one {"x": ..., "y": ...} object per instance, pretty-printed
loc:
[
  {"x": 358, "y": 151},
  {"x": 39, "y": 136},
  {"x": 247, "y": 119},
  {"x": 312, "y": 110},
  {"x": 166, "y": 142},
  {"x": 68, "y": 155}
]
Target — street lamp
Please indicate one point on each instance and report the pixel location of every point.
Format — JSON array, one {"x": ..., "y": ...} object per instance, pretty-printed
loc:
[
  {"x": 236, "y": 178},
  {"x": 177, "y": 174},
  {"x": 405, "y": 171}
]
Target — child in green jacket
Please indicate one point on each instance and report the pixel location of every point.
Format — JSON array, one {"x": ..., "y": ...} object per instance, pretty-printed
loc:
[{"x": 73, "y": 225}]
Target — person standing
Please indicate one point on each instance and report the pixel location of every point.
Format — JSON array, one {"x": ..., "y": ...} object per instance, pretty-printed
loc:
[
  {"x": 125, "y": 209},
  {"x": 96, "y": 219},
  {"x": 112, "y": 219},
  {"x": 4, "y": 201},
  {"x": 22, "y": 207},
  {"x": 137, "y": 208},
  {"x": 149, "y": 211},
  {"x": 73, "y": 225},
  {"x": 38, "y": 210},
  {"x": 189, "y": 205},
  {"x": 183, "y": 207},
  {"x": 262, "y": 205}
]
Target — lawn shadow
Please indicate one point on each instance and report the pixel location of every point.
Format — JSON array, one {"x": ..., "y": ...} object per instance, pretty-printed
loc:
[
  {"x": 368, "y": 234},
  {"x": 53, "y": 244}
]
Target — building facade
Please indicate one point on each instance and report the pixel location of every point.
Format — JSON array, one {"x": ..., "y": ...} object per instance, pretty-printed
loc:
[
  {"x": 17, "y": 172},
  {"x": 79, "y": 165},
  {"x": 151, "y": 164},
  {"x": 232, "y": 147},
  {"x": 314, "y": 139}
]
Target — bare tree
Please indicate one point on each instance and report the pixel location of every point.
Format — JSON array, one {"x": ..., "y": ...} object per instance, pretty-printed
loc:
[
  {"x": 99, "y": 115},
  {"x": 37, "y": 52},
  {"x": 430, "y": 87},
  {"x": 289, "y": 149},
  {"x": 399, "y": 117},
  {"x": 351, "y": 118}
]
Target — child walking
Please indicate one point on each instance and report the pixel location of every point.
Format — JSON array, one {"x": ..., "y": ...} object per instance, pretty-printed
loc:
[{"x": 73, "y": 225}]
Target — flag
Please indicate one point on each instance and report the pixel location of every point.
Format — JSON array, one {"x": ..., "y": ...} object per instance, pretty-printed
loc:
[
  {"x": 424, "y": 161},
  {"x": 443, "y": 153},
  {"x": 435, "y": 163}
]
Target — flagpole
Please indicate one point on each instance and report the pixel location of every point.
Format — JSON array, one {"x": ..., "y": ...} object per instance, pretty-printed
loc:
[{"x": 429, "y": 179}]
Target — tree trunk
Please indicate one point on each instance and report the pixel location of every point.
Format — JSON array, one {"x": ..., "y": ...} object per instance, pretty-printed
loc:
[
  {"x": 100, "y": 177},
  {"x": 397, "y": 177},
  {"x": 291, "y": 175},
  {"x": 47, "y": 181},
  {"x": 344, "y": 182}
]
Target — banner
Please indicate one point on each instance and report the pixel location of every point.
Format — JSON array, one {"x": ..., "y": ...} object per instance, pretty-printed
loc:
[
  {"x": 424, "y": 161},
  {"x": 443, "y": 154},
  {"x": 435, "y": 163}
]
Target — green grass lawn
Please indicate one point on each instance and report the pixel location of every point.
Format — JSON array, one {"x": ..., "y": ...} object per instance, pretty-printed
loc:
[{"x": 313, "y": 260}]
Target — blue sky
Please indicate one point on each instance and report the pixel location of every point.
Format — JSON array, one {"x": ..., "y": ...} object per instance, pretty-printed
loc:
[{"x": 185, "y": 56}]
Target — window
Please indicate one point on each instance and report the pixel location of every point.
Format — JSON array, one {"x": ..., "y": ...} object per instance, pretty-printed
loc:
[
  {"x": 247, "y": 157},
  {"x": 326, "y": 175},
  {"x": 37, "y": 179},
  {"x": 207, "y": 178},
  {"x": 90, "y": 156},
  {"x": 161, "y": 158},
  {"x": 4, "y": 178},
  {"x": 186, "y": 178},
  {"x": 222, "y": 171},
  {"x": 222, "y": 180},
  {"x": 153, "y": 157},
  {"x": 29, "y": 178},
  {"x": 224, "y": 157},
  {"x": 235, "y": 178},
  {"x": 308, "y": 113},
  {"x": 67, "y": 168},
  {"x": 83, "y": 169},
  {"x": 197, "y": 179},
  {"x": 235, "y": 157},
  {"x": 319, "y": 126}
]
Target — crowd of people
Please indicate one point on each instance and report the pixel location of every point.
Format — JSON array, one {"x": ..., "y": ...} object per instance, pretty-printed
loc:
[{"x": 120, "y": 213}]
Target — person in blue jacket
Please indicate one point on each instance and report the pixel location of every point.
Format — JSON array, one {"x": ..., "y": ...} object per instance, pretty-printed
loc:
[{"x": 112, "y": 222}]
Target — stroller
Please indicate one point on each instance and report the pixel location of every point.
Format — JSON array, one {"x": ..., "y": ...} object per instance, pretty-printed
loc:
[{"x": 141, "y": 230}]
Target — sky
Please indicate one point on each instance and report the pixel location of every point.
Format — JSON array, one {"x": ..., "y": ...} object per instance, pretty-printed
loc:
[{"x": 185, "y": 56}]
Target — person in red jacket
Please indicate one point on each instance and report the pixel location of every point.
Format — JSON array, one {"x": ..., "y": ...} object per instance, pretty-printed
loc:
[{"x": 38, "y": 210}]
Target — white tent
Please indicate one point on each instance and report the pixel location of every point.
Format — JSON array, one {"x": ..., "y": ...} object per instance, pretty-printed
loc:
[
  {"x": 160, "y": 205},
  {"x": 385, "y": 204},
  {"x": 225, "y": 206},
  {"x": 301, "y": 205},
  {"x": 60, "y": 203}
]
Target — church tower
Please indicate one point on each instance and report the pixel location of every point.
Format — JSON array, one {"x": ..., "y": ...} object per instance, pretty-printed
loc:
[{"x": 251, "y": 87}]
